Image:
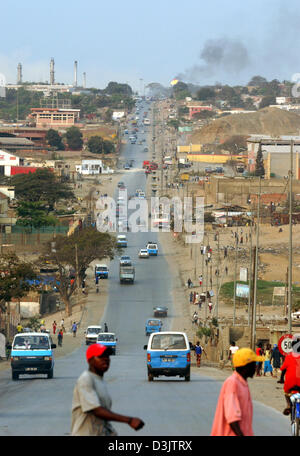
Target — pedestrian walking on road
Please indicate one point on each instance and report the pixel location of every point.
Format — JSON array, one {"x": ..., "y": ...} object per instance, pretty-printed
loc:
[
  {"x": 234, "y": 412},
  {"x": 232, "y": 350},
  {"x": 226, "y": 270},
  {"x": 91, "y": 405},
  {"x": 194, "y": 297},
  {"x": 276, "y": 359},
  {"x": 74, "y": 329},
  {"x": 259, "y": 352},
  {"x": 54, "y": 326},
  {"x": 19, "y": 328},
  {"x": 60, "y": 337},
  {"x": 200, "y": 280},
  {"x": 62, "y": 325},
  {"x": 189, "y": 282},
  {"x": 195, "y": 318},
  {"x": 105, "y": 328},
  {"x": 198, "y": 353},
  {"x": 191, "y": 297},
  {"x": 267, "y": 363},
  {"x": 210, "y": 306}
]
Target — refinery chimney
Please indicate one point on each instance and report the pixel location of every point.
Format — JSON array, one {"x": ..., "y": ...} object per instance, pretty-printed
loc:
[
  {"x": 52, "y": 76},
  {"x": 84, "y": 80},
  {"x": 19, "y": 76},
  {"x": 75, "y": 73}
]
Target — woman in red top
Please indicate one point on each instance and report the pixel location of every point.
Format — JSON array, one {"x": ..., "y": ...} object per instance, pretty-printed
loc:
[{"x": 290, "y": 373}]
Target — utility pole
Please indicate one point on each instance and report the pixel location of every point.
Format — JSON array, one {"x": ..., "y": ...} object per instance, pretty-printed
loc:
[
  {"x": 217, "y": 284},
  {"x": 234, "y": 283},
  {"x": 77, "y": 272},
  {"x": 290, "y": 242},
  {"x": 256, "y": 269},
  {"x": 250, "y": 271}
]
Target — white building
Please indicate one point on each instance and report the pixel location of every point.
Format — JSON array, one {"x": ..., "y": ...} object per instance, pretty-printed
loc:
[
  {"x": 93, "y": 167},
  {"x": 8, "y": 160},
  {"x": 90, "y": 167}
]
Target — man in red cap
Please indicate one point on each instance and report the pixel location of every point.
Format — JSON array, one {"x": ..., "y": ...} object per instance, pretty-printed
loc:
[{"x": 91, "y": 405}]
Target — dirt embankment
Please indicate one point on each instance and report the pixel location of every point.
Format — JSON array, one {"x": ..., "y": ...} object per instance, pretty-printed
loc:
[{"x": 267, "y": 121}]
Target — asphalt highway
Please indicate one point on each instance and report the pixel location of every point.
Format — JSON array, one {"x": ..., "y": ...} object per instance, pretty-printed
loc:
[{"x": 169, "y": 406}]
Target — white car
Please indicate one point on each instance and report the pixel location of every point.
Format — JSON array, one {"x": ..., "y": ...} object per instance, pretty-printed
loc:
[
  {"x": 125, "y": 261},
  {"x": 143, "y": 253},
  {"x": 91, "y": 334}
]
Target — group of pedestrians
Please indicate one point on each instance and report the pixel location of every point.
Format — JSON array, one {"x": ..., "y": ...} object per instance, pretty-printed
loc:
[
  {"x": 91, "y": 404},
  {"x": 272, "y": 360},
  {"x": 62, "y": 330}
]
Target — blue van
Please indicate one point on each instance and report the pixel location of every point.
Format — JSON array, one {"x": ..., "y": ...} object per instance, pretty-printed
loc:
[
  {"x": 121, "y": 240},
  {"x": 101, "y": 271},
  {"x": 152, "y": 248},
  {"x": 169, "y": 354},
  {"x": 32, "y": 353},
  {"x": 153, "y": 325},
  {"x": 109, "y": 340}
]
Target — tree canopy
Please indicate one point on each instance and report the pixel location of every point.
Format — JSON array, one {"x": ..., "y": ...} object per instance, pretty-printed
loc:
[
  {"x": 98, "y": 145},
  {"x": 90, "y": 245},
  {"x": 74, "y": 138},
  {"x": 259, "y": 164},
  {"x": 41, "y": 186},
  {"x": 34, "y": 215},
  {"x": 14, "y": 276},
  {"x": 54, "y": 139}
]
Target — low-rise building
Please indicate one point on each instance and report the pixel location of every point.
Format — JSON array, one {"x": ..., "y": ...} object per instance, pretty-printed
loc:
[
  {"x": 195, "y": 107},
  {"x": 54, "y": 117},
  {"x": 276, "y": 154}
]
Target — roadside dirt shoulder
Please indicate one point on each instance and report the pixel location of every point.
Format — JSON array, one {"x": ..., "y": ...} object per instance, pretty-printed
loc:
[{"x": 263, "y": 389}]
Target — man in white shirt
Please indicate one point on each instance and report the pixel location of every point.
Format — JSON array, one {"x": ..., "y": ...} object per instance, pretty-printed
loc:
[
  {"x": 91, "y": 405},
  {"x": 232, "y": 350}
]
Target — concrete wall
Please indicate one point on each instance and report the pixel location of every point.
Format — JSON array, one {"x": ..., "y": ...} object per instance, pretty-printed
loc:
[{"x": 237, "y": 190}]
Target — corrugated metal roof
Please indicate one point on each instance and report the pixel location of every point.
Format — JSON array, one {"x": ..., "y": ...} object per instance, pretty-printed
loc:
[{"x": 15, "y": 142}]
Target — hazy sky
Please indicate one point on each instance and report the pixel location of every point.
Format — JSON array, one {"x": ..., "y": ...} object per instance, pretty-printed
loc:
[{"x": 201, "y": 41}]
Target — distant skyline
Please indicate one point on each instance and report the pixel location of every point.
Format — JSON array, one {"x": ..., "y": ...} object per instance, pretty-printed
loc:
[{"x": 140, "y": 42}]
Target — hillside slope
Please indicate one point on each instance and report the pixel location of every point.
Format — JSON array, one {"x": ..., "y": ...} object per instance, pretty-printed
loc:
[{"x": 267, "y": 121}]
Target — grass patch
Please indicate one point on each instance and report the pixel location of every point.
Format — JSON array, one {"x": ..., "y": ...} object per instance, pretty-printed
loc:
[{"x": 264, "y": 291}]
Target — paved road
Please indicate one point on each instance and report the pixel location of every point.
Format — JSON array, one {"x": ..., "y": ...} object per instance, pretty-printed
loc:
[{"x": 37, "y": 406}]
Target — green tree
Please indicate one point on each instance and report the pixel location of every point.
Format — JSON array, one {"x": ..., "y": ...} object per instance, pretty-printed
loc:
[
  {"x": 34, "y": 215},
  {"x": 205, "y": 93},
  {"x": 259, "y": 164},
  {"x": 54, "y": 139},
  {"x": 108, "y": 147},
  {"x": 205, "y": 114},
  {"x": 14, "y": 281},
  {"x": 41, "y": 186},
  {"x": 74, "y": 138},
  {"x": 257, "y": 81},
  {"x": 117, "y": 88},
  {"x": 181, "y": 91},
  {"x": 95, "y": 144},
  {"x": 267, "y": 101},
  {"x": 90, "y": 245}
]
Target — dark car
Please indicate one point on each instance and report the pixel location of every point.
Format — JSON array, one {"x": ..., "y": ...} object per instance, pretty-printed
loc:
[{"x": 160, "y": 311}]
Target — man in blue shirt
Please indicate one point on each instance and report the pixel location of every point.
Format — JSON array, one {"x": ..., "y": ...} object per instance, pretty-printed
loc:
[{"x": 198, "y": 353}]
